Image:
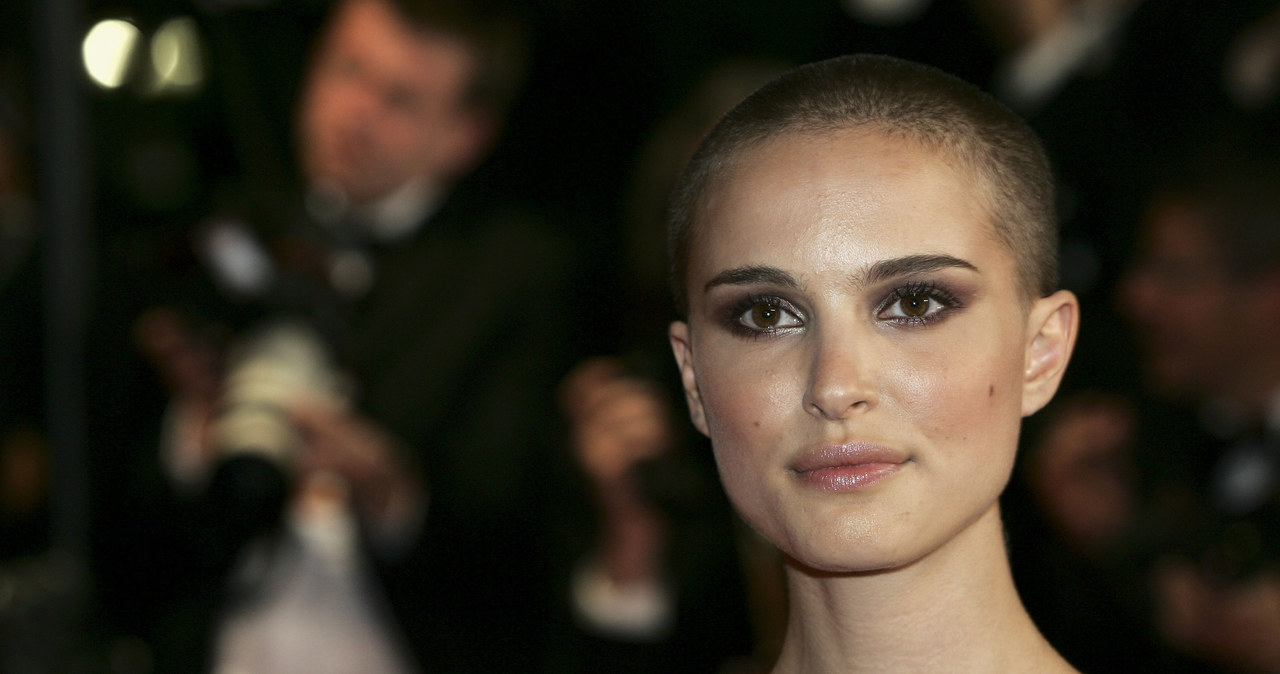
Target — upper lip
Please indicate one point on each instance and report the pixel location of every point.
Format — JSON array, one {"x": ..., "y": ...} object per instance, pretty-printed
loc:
[{"x": 846, "y": 454}]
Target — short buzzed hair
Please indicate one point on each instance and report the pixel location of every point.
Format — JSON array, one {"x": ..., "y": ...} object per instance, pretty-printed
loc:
[
  {"x": 496, "y": 32},
  {"x": 898, "y": 97}
]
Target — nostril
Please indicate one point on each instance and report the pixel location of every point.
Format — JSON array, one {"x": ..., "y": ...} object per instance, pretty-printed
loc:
[{"x": 839, "y": 403}]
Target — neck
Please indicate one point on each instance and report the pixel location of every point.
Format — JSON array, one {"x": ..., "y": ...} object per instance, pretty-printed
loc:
[
  {"x": 393, "y": 216},
  {"x": 401, "y": 212},
  {"x": 956, "y": 609}
]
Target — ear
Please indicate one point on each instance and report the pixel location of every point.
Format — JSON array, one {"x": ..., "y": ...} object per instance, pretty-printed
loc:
[
  {"x": 683, "y": 350},
  {"x": 1052, "y": 325}
]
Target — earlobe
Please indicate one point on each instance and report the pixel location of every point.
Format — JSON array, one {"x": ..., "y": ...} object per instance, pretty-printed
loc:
[
  {"x": 683, "y": 351},
  {"x": 1052, "y": 325}
]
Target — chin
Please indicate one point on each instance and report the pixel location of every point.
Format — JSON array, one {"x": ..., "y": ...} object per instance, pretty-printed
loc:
[
  {"x": 868, "y": 560},
  {"x": 851, "y": 545}
]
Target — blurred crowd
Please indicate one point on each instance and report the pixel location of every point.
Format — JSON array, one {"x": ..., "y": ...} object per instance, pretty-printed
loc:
[{"x": 375, "y": 368}]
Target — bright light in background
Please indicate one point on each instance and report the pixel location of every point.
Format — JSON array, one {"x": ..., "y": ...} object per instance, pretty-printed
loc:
[
  {"x": 886, "y": 12},
  {"x": 108, "y": 49},
  {"x": 175, "y": 56}
]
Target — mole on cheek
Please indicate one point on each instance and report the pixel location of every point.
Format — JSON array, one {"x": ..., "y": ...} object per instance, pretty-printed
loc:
[{"x": 991, "y": 391}]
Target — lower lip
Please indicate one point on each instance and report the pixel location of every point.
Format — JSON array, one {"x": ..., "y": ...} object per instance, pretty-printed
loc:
[{"x": 848, "y": 478}]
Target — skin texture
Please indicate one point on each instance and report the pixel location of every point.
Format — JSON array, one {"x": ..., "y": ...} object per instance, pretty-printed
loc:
[
  {"x": 942, "y": 398},
  {"x": 386, "y": 103}
]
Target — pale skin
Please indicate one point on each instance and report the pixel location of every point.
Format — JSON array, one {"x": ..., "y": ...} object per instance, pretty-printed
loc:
[{"x": 848, "y": 296}]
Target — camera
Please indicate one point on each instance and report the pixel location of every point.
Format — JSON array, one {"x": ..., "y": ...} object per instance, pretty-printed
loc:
[
  {"x": 267, "y": 370},
  {"x": 284, "y": 350}
]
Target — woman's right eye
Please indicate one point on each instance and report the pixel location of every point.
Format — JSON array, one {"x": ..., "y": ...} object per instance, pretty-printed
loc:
[{"x": 766, "y": 315}]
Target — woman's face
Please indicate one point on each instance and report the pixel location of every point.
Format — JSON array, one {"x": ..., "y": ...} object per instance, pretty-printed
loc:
[{"x": 856, "y": 348}]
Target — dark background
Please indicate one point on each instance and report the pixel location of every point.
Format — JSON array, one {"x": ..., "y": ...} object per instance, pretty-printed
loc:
[{"x": 603, "y": 73}]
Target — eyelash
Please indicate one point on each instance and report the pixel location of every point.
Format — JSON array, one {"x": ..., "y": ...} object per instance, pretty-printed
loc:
[
  {"x": 736, "y": 315},
  {"x": 738, "y": 312},
  {"x": 928, "y": 289}
]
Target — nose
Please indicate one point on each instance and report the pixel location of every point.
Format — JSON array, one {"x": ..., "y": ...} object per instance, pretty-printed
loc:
[{"x": 841, "y": 379}]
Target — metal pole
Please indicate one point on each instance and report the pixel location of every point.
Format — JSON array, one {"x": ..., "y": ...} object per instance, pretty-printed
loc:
[{"x": 63, "y": 200}]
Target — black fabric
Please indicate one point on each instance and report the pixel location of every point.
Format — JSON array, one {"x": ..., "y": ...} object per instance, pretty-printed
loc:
[{"x": 456, "y": 350}]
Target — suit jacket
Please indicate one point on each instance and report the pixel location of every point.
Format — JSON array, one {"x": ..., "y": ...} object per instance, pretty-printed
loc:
[
  {"x": 458, "y": 348},
  {"x": 455, "y": 349}
]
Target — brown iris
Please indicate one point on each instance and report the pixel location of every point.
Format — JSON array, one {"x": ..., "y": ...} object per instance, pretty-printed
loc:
[
  {"x": 765, "y": 316},
  {"x": 915, "y": 305}
]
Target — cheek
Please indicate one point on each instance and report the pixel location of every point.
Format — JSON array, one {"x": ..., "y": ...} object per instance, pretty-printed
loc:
[
  {"x": 748, "y": 404},
  {"x": 325, "y": 103},
  {"x": 410, "y": 144},
  {"x": 324, "y": 121},
  {"x": 745, "y": 398},
  {"x": 962, "y": 396}
]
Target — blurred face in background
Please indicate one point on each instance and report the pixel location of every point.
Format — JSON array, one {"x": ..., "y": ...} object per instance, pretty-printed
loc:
[
  {"x": 1188, "y": 311},
  {"x": 386, "y": 104}
]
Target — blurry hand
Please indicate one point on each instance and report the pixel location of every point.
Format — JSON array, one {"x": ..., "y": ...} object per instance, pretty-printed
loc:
[
  {"x": 616, "y": 421},
  {"x": 190, "y": 368},
  {"x": 372, "y": 468},
  {"x": 1079, "y": 472},
  {"x": 370, "y": 461}
]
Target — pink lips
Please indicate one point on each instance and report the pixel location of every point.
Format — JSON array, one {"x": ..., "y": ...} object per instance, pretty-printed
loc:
[{"x": 848, "y": 467}]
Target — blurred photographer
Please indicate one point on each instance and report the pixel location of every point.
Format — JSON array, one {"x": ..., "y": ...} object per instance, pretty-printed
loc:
[
  {"x": 352, "y": 439},
  {"x": 1182, "y": 484}
]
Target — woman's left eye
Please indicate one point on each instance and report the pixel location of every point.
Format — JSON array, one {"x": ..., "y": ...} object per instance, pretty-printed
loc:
[
  {"x": 767, "y": 316},
  {"x": 915, "y": 305}
]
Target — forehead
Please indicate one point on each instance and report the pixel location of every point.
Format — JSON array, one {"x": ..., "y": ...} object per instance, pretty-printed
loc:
[{"x": 841, "y": 197}]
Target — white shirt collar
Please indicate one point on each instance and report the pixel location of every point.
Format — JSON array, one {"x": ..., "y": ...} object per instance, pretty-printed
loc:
[{"x": 391, "y": 218}]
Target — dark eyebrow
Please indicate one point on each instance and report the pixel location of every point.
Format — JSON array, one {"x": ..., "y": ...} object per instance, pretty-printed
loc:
[
  {"x": 741, "y": 276},
  {"x": 912, "y": 264},
  {"x": 880, "y": 271}
]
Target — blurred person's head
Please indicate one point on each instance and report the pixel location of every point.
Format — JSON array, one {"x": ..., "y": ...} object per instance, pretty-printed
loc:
[
  {"x": 667, "y": 151},
  {"x": 406, "y": 90},
  {"x": 1204, "y": 291}
]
